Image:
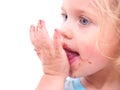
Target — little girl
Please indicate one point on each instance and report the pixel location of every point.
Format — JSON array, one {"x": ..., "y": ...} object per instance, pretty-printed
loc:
[{"x": 86, "y": 48}]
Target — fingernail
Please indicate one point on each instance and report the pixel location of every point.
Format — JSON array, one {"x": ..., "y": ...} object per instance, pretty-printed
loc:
[
  {"x": 56, "y": 30},
  {"x": 40, "y": 21},
  {"x": 57, "y": 33},
  {"x": 32, "y": 27}
]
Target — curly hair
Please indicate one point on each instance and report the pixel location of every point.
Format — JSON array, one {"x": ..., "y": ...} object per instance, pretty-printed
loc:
[{"x": 111, "y": 8}]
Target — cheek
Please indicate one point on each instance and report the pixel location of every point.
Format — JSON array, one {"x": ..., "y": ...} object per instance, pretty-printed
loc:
[
  {"x": 88, "y": 50},
  {"x": 92, "y": 55},
  {"x": 92, "y": 61},
  {"x": 109, "y": 49},
  {"x": 89, "y": 66},
  {"x": 108, "y": 41},
  {"x": 81, "y": 69}
]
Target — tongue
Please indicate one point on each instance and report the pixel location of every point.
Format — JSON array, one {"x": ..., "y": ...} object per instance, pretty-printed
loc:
[{"x": 71, "y": 54}]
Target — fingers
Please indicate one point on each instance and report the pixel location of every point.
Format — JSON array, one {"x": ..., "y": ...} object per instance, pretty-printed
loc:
[
  {"x": 42, "y": 42},
  {"x": 57, "y": 40},
  {"x": 41, "y": 30},
  {"x": 39, "y": 35},
  {"x": 32, "y": 33},
  {"x": 40, "y": 39},
  {"x": 37, "y": 51},
  {"x": 41, "y": 27},
  {"x": 51, "y": 53},
  {"x": 42, "y": 34}
]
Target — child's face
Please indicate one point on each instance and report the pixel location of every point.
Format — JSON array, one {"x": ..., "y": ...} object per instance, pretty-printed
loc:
[{"x": 83, "y": 40}]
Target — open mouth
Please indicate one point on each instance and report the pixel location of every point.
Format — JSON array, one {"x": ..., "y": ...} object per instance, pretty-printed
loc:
[{"x": 71, "y": 55}]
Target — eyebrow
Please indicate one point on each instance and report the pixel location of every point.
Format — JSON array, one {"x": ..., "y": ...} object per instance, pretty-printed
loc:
[{"x": 83, "y": 11}]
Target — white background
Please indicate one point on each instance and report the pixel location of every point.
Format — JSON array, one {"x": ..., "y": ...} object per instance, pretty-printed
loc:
[{"x": 20, "y": 68}]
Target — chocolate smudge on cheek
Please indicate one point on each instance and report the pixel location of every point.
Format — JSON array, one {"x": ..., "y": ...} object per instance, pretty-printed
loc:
[{"x": 90, "y": 62}]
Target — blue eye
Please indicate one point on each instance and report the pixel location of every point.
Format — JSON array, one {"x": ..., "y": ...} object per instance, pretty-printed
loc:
[
  {"x": 64, "y": 17},
  {"x": 84, "y": 21}
]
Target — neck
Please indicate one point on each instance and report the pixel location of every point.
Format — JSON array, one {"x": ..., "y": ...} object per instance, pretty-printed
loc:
[{"x": 107, "y": 79}]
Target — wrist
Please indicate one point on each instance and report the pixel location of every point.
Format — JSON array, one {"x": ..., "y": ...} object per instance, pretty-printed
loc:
[
  {"x": 54, "y": 77},
  {"x": 52, "y": 82}
]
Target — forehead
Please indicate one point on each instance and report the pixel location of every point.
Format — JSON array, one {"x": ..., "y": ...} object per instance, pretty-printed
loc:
[
  {"x": 79, "y": 6},
  {"x": 75, "y": 2}
]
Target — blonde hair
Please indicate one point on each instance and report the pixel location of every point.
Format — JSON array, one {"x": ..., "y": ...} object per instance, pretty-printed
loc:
[{"x": 111, "y": 8}]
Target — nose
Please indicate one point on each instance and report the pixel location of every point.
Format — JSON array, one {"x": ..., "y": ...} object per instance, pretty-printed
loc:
[{"x": 66, "y": 31}]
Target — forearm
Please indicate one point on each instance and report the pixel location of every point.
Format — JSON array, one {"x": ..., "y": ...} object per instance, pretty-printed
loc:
[{"x": 48, "y": 82}]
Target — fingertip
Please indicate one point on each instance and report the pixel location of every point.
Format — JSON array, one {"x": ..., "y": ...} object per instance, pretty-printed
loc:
[
  {"x": 32, "y": 28},
  {"x": 57, "y": 34},
  {"x": 57, "y": 39},
  {"x": 41, "y": 23},
  {"x": 56, "y": 30}
]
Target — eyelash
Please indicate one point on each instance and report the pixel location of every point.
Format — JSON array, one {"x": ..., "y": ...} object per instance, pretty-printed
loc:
[
  {"x": 82, "y": 19},
  {"x": 64, "y": 16}
]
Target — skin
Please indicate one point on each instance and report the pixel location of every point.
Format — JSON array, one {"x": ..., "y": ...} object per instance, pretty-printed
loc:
[{"x": 80, "y": 32}]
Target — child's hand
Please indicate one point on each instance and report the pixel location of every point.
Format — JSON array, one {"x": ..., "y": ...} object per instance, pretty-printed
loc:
[{"x": 51, "y": 53}]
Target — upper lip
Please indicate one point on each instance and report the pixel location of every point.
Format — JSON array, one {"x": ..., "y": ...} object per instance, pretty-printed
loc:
[{"x": 68, "y": 49}]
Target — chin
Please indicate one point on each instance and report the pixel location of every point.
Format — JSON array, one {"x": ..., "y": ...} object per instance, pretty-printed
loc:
[
  {"x": 75, "y": 75},
  {"x": 78, "y": 74}
]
